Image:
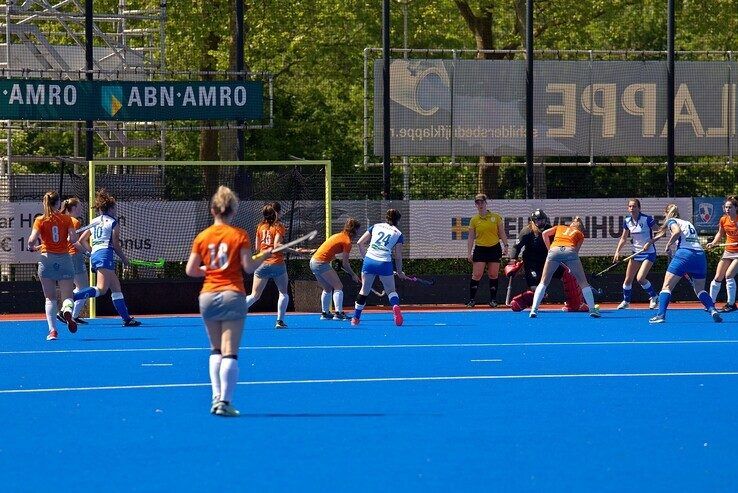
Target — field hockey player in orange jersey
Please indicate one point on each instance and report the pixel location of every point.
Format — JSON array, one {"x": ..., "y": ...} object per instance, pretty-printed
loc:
[
  {"x": 55, "y": 231},
  {"x": 72, "y": 207},
  {"x": 320, "y": 265},
  {"x": 567, "y": 240},
  {"x": 727, "y": 268},
  {"x": 220, "y": 254}
]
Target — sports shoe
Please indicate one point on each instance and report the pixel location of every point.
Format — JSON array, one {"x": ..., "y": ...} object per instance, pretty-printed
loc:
[
  {"x": 595, "y": 312},
  {"x": 80, "y": 321},
  {"x": 533, "y": 314},
  {"x": 657, "y": 319},
  {"x": 623, "y": 305},
  {"x": 326, "y": 316},
  {"x": 728, "y": 307},
  {"x": 214, "y": 404},
  {"x": 223, "y": 408},
  {"x": 471, "y": 304},
  {"x": 397, "y": 314},
  {"x": 60, "y": 317},
  {"x": 71, "y": 324},
  {"x": 715, "y": 316},
  {"x": 354, "y": 321},
  {"x": 339, "y": 316},
  {"x": 280, "y": 325},
  {"x": 53, "y": 335},
  {"x": 131, "y": 322},
  {"x": 493, "y": 304},
  {"x": 653, "y": 303}
]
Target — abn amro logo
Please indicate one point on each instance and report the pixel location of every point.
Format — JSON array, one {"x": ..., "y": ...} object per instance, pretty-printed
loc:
[{"x": 111, "y": 99}]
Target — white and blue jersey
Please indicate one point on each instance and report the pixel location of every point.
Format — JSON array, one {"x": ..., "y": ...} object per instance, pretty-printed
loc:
[
  {"x": 689, "y": 257},
  {"x": 101, "y": 241},
  {"x": 641, "y": 231},
  {"x": 378, "y": 258}
]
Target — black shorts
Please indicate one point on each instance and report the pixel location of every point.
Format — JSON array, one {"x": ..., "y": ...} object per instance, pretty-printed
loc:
[
  {"x": 487, "y": 253},
  {"x": 533, "y": 273}
]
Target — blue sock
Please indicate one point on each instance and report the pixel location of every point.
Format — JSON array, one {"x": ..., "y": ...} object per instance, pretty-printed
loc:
[
  {"x": 627, "y": 293},
  {"x": 706, "y": 299},
  {"x": 357, "y": 310},
  {"x": 394, "y": 298},
  {"x": 120, "y": 306},
  {"x": 648, "y": 288},
  {"x": 85, "y": 293},
  {"x": 664, "y": 298}
]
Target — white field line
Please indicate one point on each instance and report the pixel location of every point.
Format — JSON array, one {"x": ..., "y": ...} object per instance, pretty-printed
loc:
[
  {"x": 381, "y": 346},
  {"x": 386, "y": 379}
]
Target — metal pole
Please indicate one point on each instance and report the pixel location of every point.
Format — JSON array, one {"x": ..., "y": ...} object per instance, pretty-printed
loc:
[
  {"x": 89, "y": 134},
  {"x": 240, "y": 76},
  {"x": 405, "y": 163},
  {"x": 529, "y": 100},
  {"x": 386, "y": 159},
  {"x": 670, "y": 97}
]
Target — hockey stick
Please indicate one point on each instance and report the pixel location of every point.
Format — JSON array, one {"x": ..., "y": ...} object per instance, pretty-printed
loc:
[
  {"x": 92, "y": 224},
  {"x": 427, "y": 282},
  {"x": 622, "y": 260},
  {"x": 157, "y": 264},
  {"x": 311, "y": 235}
]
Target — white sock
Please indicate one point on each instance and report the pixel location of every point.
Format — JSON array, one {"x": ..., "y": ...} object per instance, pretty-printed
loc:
[
  {"x": 325, "y": 301},
  {"x": 282, "y": 302},
  {"x": 214, "y": 365},
  {"x": 730, "y": 287},
  {"x": 50, "y": 308},
  {"x": 228, "y": 378},
  {"x": 250, "y": 300},
  {"x": 715, "y": 290},
  {"x": 338, "y": 300},
  {"x": 78, "y": 307},
  {"x": 588, "y": 297},
  {"x": 538, "y": 296}
]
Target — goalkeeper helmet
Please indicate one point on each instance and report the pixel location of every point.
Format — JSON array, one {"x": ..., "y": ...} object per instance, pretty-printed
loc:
[{"x": 538, "y": 215}]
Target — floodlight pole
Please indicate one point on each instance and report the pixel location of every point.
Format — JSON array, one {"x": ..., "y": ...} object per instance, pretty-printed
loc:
[
  {"x": 386, "y": 159},
  {"x": 405, "y": 162},
  {"x": 89, "y": 133},
  {"x": 529, "y": 100},
  {"x": 670, "y": 97},
  {"x": 240, "y": 75}
]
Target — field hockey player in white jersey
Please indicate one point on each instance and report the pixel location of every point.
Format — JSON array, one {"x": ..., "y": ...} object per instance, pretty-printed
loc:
[
  {"x": 639, "y": 227},
  {"x": 689, "y": 258},
  {"x": 103, "y": 240},
  {"x": 381, "y": 242}
]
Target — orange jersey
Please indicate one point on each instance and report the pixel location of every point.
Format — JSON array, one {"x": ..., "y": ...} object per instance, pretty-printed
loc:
[
  {"x": 219, "y": 247},
  {"x": 54, "y": 232},
  {"x": 731, "y": 232},
  {"x": 265, "y": 236},
  {"x": 338, "y": 243},
  {"x": 567, "y": 236},
  {"x": 75, "y": 224}
]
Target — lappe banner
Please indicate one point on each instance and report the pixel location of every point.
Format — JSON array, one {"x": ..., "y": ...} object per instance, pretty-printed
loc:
[
  {"x": 580, "y": 108},
  {"x": 42, "y": 99}
]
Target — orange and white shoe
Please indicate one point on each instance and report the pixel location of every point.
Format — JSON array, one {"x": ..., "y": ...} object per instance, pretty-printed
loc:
[
  {"x": 53, "y": 335},
  {"x": 397, "y": 313},
  {"x": 354, "y": 321}
]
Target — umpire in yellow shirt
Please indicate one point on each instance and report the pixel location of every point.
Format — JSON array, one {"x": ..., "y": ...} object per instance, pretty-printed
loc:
[{"x": 486, "y": 232}]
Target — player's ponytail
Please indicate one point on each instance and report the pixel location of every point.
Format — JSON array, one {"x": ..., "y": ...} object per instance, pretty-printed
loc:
[
  {"x": 579, "y": 223},
  {"x": 270, "y": 215},
  {"x": 104, "y": 201},
  {"x": 393, "y": 216},
  {"x": 50, "y": 202},
  {"x": 224, "y": 202},
  {"x": 68, "y": 204},
  {"x": 670, "y": 212},
  {"x": 351, "y": 227}
]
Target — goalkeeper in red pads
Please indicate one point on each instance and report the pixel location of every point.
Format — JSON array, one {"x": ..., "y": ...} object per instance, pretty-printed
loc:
[{"x": 531, "y": 247}]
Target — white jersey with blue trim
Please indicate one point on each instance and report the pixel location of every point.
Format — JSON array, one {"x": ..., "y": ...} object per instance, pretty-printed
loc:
[
  {"x": 641, "y": 230},
  {"x": 101, "y": 234},
  {"x": 384, "y": 238},
  {"x": 687, "y": 234}
]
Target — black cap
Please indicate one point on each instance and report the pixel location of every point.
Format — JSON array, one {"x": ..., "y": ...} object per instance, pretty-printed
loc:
[{"x": 538, "y": 214}]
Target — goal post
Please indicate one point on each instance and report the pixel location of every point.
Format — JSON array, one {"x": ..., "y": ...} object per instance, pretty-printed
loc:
[{"x": 162, "y": 205}]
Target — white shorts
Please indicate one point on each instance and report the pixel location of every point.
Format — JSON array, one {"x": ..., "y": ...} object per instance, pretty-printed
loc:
[{"x": 729, "y": 255}]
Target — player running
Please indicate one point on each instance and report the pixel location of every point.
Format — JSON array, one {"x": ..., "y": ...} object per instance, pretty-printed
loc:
[
  {"x": 382, "y": 242},
  {"x": 102, "y": 240},
  {"x": 55, "y": 232},
  {"x": 689, "y": 258},
  {"x": 72, "y": 207}
]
